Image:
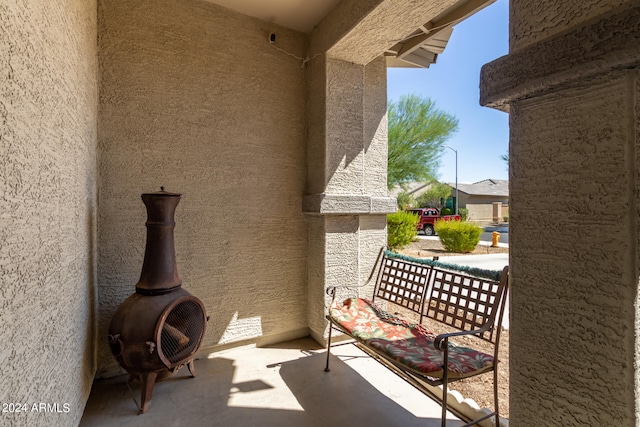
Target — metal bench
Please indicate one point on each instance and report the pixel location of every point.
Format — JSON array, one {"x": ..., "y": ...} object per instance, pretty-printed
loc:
[{"x": 469, "y": 301}]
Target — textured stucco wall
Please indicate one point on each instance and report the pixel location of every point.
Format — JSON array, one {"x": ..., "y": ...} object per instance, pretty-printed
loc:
[
  {"x": 346, "y": 194},
  {"x": 356, "y": 129},
  {"x": 533, "y": 21},
  {"x": 194, "y": 98},
  {"x": 572, "y": 90},
  {"x": 576, "y": 251},
  {"x": 347, "y": 167},
  {"x": 375, "y": 129},
  {"x": 48, "y": 120},
  {"x": 347, "y": 154}
]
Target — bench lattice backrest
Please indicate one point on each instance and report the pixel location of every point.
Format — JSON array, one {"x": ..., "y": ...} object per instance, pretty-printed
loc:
[
  {"x": 464, "y": 302},
  {"x": 459, "y": 299},
  {"x": 403, "y": 283}
]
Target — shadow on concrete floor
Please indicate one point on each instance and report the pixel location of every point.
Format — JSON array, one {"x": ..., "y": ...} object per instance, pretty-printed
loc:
[{"x": 282, "y": 385}]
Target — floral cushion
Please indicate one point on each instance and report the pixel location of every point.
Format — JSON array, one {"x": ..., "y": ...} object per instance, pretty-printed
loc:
[{"x": 410, "y": 344}]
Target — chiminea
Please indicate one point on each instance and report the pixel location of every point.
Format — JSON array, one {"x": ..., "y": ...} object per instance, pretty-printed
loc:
[{"x": 158, "y": 329}]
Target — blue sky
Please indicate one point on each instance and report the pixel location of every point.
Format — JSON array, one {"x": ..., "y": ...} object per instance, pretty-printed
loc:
[{"x": 453, "y": 82}]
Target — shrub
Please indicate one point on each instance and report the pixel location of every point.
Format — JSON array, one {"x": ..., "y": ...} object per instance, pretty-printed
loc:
[
  {"x": 464, "y": 213},
  {"x": 458, "y": 236},
  {"x": 446, "y": 211},
  {"x": 506, "y": 218},
  {"x": 401, "y": 229}
]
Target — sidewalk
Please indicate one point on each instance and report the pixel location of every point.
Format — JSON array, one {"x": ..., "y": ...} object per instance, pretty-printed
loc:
[
  {"x": 481, "y": 243},
  {"x": 488, "y": 261}
]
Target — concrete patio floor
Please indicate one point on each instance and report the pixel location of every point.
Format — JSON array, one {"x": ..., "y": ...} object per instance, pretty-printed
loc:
[{"x": 280, "y": 385}]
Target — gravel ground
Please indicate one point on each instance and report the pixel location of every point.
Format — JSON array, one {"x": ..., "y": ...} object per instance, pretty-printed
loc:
[{"x": 426, "y": 248}]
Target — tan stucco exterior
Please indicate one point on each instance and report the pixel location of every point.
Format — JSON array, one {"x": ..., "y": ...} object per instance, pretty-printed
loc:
[
  {"x": 486, "y": 212},
  {"x": 571, "y": 84},
  {"x": 194, "y": 98},
  {"x": 48, "y": 140},
  {"x": 282, "y": 169}
]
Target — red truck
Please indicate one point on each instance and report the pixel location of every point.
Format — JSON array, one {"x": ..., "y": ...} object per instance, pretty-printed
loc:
[{"x": 428, "y": 216}]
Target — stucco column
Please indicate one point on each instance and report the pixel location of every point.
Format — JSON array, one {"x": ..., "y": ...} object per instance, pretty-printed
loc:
[
  {"x": 346, "y": 201},
  {"x": 571, "y": 85}
]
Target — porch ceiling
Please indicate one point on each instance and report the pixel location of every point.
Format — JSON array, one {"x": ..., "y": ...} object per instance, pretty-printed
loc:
[
  {"x": 299, "y": 15},
  {"x": 420, "y": 48}
]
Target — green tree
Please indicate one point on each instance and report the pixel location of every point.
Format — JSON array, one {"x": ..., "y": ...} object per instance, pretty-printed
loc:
[
  {"x": 417, "y": 133},
  {"x": 432, "y": 197}
]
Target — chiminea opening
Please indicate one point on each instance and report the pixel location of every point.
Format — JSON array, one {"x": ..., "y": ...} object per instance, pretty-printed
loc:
[
  {"x": 158, "y": 329},
  {"x": 180, "y": 330}
]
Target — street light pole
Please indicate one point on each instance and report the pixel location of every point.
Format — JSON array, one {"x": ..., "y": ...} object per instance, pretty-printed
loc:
[{"x": 455, "y": 151}]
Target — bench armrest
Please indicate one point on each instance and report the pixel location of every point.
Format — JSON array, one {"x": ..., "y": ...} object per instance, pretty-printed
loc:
[{"x": 442, "y": 340}]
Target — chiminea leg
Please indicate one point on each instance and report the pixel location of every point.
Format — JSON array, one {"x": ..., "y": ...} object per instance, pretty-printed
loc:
[
  {"x": 192, "y": 368},
  {"x": 148, "y": 381}
]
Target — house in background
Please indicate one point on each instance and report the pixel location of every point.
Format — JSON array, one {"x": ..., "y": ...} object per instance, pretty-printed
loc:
[{"x": 485, "y": 200}]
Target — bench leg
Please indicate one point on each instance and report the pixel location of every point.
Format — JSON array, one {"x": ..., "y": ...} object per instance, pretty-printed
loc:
[
  {"x": 445, "y": 382},
  {"x": 495, "y": 393},
  {"x": 326, "y": 368},
  {"x": 443, "y": 421}
]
